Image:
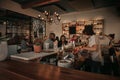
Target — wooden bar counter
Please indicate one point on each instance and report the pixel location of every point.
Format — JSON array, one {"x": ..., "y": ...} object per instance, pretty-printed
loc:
[{"x": 15, "y": 70}]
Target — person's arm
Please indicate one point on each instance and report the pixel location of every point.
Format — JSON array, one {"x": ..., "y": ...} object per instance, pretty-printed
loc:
[
  {"x": 93, "y": 48},
  {"x": 92, "y": 45},
  {"x": 107, "y": 36}
]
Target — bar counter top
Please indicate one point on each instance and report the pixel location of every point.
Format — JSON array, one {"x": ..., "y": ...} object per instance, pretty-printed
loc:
[{"x": 15, "y": 70}]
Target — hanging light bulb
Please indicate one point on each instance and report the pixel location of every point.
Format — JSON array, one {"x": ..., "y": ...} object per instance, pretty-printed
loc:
[
  {"x": 59, "y": 18},
  {"x": 55, "y": 13},
  {"x": 50, "y": 18},
  {"x": 43, "y": 18},
  {"x": 39, "y": 16},
  {"x": 46, "y": 13}
]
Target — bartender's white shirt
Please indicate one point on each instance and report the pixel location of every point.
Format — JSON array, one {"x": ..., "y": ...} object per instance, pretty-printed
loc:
[{"x": 96, "y": 55}]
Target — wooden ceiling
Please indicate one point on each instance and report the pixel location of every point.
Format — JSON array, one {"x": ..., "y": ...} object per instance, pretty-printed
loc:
[
  {"x": 38, "y": 3},
  {"x": 60, "y": 6},
  {"x": 65, "y": 6},
  {"x": 12, "y": 16}
]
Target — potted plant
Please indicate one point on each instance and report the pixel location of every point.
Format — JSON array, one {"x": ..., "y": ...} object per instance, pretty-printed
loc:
[{"x": 37, "y": 45}]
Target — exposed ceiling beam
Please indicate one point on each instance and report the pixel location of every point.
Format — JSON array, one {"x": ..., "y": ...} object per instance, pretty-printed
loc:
[
  {"x": 93, "y": 3},
  {"x": 64, "y": 5},
  {"x": 61, "y": 7},
  {"x": 38, "y": 3}
]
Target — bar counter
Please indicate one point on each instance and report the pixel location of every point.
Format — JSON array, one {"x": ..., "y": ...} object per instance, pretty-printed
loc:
[{"x": 15, "y": 70}]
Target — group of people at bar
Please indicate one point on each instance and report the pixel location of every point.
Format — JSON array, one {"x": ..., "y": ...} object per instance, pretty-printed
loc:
[{"x": 92, "y": 48}]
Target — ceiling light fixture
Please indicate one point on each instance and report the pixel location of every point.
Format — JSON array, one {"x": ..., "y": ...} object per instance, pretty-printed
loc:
[{"x": 55, "y": 17}]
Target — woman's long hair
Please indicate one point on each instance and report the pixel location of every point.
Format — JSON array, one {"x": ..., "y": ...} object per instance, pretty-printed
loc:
[{"x": 61, "y": 38}]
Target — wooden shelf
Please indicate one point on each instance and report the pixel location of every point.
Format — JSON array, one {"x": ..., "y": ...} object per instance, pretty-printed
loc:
[{"x": 97, "y": 26}]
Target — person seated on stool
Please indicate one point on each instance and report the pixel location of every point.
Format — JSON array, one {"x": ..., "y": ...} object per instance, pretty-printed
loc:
[{"x": 25, "y": 45}]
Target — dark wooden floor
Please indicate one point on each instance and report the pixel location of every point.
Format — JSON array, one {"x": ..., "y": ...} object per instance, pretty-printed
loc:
[{"x": 14, "y": 70}]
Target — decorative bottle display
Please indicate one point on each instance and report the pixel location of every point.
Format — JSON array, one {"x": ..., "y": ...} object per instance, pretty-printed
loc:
[{"x": 80, "y": 25}]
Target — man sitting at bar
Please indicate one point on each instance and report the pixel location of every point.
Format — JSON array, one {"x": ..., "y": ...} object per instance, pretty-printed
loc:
[{"x": 51, "y": 40}]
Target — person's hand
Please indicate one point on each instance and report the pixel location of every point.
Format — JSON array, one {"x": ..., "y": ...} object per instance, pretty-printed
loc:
[
  {"x": 105, "y": 34},
  {"x": 76, "y": 50},
  {"x": 82, "y": 48}
]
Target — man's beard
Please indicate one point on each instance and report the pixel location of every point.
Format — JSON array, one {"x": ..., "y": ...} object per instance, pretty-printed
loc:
[{"x": 53, "y": 39}]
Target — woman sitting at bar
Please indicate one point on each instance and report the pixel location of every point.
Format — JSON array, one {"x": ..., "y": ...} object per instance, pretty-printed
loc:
[{"x": 62, "y": 41}]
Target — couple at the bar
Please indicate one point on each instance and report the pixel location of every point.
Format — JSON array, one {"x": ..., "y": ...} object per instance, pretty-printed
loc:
[{"x": 55, "y": 42}]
